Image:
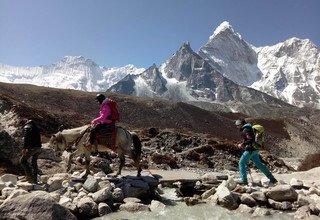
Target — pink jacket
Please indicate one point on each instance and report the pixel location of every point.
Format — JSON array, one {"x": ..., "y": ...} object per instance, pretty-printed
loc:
[{"x": 104, "y": 113}]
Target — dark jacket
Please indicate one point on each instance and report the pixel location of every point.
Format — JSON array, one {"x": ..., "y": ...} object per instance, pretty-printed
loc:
[
  {"x": 31, "y": 136},
  {"x": 247, "y": 135}
]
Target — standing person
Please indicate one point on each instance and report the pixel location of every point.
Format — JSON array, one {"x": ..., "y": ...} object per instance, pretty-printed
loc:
[
  {"x": 103, "y": 121},
  {"x": 250, "y": 152},
  {"x": 31, "y": 149}
]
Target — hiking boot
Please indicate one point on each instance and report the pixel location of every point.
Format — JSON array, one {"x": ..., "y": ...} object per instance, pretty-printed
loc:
[
  {"x": 243, "y": 183},
  {"x": 30, "y": 179},
  {"x": 273, "y": 180}
]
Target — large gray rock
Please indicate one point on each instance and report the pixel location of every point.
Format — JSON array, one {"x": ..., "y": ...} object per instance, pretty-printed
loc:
[
  {"x": 91, "y": 184},
  {"x": 103, "y": 209},
  {"x": 226, "y": 198},
  {"x": 103, "y": 195},
  {"x": 136, "y": 188},
  {"x": 9, "y": 178},
  {"x": 248, "y": 200},
  {"x": 87, "y": 207},
  {"x": 280, "y": 205},
  {"x": 133, "y": 207},
  {"x": 9, "y": 148},
  {"x": 35, "y": 205},
  {"x": 259, "y": 196},
  {"x": 282, "y": 193}
]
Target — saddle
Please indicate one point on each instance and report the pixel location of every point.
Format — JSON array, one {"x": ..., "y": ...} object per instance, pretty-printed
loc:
[{"x": 107, "y": 137}]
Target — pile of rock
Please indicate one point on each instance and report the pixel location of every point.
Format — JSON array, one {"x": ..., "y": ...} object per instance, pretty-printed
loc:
[
  {"x": 66, "y": 196},
  {"x": 260, "y": 198}
]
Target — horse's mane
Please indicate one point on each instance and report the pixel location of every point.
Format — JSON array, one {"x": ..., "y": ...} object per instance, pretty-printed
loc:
[{"x": 75, "y": 130}]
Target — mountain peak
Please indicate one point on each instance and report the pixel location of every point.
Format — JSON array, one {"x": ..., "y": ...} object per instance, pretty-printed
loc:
[
  {"x": 298, "y": 41},
  {"x": 77, "y": 60},
  {"x": 186, "y": 46},
  {"x": 222, "y": 28}
]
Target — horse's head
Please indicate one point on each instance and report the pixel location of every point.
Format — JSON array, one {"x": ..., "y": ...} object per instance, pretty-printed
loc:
[{"x": 57, "y": 143}]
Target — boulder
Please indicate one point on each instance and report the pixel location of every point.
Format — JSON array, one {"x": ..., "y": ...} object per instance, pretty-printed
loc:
[
  {"x": 103, "y": 195},
  {"x": 282, "y": 193},
  {"x": 117, "y": 195},
  {"x": 226, "y": 198},
  {"x": 35, "y": 205},
  {"x": 103, "y": 209},
  {"x": 280, "y": 205},
  {"x": 156, "y": 206},
  {"x": 8, "y": 147},
  {"x": 133, "y": 207},
  {"x": 91, "y": 184},
  {"x": 259, "y": 196},
  {"x": 248, "y": 200},
  {"x": 9, "y": 178},
  {"x": 87, "y": 207}
]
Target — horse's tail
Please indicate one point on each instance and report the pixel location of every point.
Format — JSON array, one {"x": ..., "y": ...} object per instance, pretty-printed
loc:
[{"x": 136, "y": 144}]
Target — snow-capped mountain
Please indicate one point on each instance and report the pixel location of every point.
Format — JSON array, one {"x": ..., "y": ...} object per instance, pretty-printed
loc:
[
  {"x": 289, "y": 70},
  {"x": 72, "y": 72},
  {"x": 188, "y": 77},
  {"x": 232, "y": 56}
]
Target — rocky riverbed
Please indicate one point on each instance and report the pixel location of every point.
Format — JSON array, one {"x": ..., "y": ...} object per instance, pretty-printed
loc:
[{"x": 69, "y": 196}]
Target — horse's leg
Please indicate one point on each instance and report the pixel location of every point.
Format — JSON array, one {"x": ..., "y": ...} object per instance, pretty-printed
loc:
[
  {"x": 73, "y": 154},
  {"x": 137, "y": 163},
  {"x": 121, "y": 163},
  {"x": 136, "y": 154},
  {"x": 87, "y": 162}
]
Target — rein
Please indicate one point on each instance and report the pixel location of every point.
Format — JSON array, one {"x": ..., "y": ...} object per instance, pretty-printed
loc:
[{"x": 74, "y": 142}]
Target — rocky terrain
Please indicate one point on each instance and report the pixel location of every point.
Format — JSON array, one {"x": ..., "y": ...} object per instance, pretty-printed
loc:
[{"x": 174, "y": 135}]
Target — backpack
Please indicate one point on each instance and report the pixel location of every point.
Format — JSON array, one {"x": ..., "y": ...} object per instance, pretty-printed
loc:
[
  {"x": 114, "y": 116},
  {"x": 259, "y": 134}
]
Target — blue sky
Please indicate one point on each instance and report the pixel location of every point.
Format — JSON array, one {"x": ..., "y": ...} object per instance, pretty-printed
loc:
[{"x": 115, "y": 33}]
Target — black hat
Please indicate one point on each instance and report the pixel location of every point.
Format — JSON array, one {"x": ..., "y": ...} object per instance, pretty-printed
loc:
[{"x": 100, "y": 98}]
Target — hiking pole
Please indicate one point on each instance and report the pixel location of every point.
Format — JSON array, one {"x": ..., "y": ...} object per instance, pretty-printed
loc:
[{"x": 249, "y": 171}]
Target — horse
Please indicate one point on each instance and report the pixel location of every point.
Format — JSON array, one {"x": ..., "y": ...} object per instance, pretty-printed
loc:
[{"x": 126, "y": 143}]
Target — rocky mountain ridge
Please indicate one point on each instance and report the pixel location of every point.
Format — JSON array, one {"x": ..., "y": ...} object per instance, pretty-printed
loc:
[
  {"x": 188, "y": 77},
  {"x": 72, "y": 72},
  {"x": 288, "y": 71}
]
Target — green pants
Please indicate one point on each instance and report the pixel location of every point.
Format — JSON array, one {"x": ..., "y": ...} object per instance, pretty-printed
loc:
[{"x": 254, "y": 156}]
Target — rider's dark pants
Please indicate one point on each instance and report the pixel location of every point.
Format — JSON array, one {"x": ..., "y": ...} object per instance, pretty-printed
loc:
[
  {"x": 32, "y": 170},
  {"x": 95, "y": 130}
]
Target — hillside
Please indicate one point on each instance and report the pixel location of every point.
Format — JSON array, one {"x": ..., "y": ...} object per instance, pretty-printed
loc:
[{"x": 291, "y": 134}]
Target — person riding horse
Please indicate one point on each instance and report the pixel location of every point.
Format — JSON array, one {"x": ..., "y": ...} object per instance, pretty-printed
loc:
[{"x": 103, "y": 122}]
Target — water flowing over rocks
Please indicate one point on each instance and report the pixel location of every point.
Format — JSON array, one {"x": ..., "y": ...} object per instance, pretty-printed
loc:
[{"x": 68, "y": 196}]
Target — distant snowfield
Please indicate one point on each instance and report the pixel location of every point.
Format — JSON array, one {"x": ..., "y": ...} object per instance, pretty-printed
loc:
[
  {"x": 70, "y": 73},
  {"x": 289, "y": 70}
]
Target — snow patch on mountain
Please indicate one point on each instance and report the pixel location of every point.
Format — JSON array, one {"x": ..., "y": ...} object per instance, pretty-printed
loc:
[
  {"x": 224, "y": 26},
  {"x": 177, "y": 90},
  {"x": 291, "y": 72},
  {"x": 233, "y": 57},
  {"x": 72, "y": 72}
]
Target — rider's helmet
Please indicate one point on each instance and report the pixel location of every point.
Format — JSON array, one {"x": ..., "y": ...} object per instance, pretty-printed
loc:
[
  {"x": 100, "y": 98},
  {"x": 240, "y": 122}
]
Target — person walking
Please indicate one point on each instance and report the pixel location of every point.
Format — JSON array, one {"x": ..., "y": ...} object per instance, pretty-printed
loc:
[
  {"x": 250, "y": 153},
  {"x": 31, "y": 149}
]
